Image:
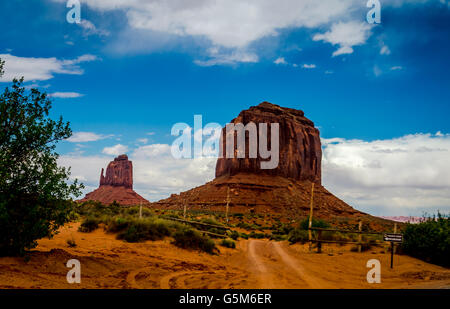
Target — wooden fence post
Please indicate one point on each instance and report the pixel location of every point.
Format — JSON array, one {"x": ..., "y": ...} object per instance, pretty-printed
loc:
[
  {"x": 140, "y": 211},
  {"x": 311, "y": 216},
  {"x": 228, "y": 203},
  {"x": 359, "y": 236},
  {"x": 184, "y": 210}
]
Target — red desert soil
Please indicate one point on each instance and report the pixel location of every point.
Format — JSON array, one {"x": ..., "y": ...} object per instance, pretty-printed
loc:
[{"x": 110, "y": 263}]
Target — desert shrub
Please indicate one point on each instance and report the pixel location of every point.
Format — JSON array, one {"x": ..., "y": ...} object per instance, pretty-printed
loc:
[
  {"x": 88, "y": 225},
  {"x": 117, "y": 224},
  {"x": 191, "y": 239},
  {"x": 71, "y": 242},
  {"x": 304, "y": 224},
  {"x": 233, "y": 235},
  {"x": 429, "y": 240},
  {"x": 277, "y": 237},
  {"x": 243, "y": 235},
  {"x": 211, "y": 220},
  {"x": 228, "y": 243},
  {"x": 141, "y": 230},
  {"x": 253, "y": 234},
  {"x": 298, "y": 235}
]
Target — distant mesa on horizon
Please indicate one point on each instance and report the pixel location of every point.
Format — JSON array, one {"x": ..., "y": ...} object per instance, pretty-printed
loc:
[{"x": 116, "y": 184}]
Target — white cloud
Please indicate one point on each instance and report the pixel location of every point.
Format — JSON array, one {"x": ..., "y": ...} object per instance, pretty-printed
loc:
[
  {"x": 218, "y": 57},
  {"x": 345, "y": 35},
  {"x": 40, "y": 68},
  {"x": 65, "y": 95},
  {"x": 228, "y": 23},
  {"x": 115, "y": 150},
  {"x": 280, "y": 60},
  {"x": 385, "y": 50},
  {"x": 400, "y": 176},
  {"x": 142, "y": 140},
  {"x": 396, "y": 68},
  {"x": 90, "y": 29},
  {"x": 81, "y": 137},
  {"x": 309, "y": 66}
]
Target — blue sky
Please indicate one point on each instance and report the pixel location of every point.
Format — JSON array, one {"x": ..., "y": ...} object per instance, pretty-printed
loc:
[{"x": 132, "y": 69}]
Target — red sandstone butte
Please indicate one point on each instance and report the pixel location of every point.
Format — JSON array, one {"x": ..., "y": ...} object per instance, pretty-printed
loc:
[
  {"x": 285, "y": 190},
  {"x": 116, "y": 185},
  {"x": 299, "y": 145}
]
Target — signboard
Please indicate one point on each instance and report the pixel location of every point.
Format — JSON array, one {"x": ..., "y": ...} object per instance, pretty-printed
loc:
[{"x": 393, "y": 237}]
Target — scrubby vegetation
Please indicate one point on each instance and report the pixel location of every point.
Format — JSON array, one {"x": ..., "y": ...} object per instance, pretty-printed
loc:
[
  {"x": 125, "y": 222},
  {"x": 191, "y": 239},
  {"x": 228, "y": 243},
  {"x": 429, "y": 240}
]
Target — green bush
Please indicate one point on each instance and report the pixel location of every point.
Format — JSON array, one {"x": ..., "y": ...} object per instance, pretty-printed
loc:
[
  {"x": 88, "y": 225},
  {"x": 257, "y": 235},
  {"x": 234, "y": 235},
  {"x": 191, "y": 239},
  {"x": 228, "y": 243},
  {"x": 298, "y": 235},
  {"x": 304, "y": 224},
  {"x": 429, "y": 240},
  {"x": 141, "y": 230}
]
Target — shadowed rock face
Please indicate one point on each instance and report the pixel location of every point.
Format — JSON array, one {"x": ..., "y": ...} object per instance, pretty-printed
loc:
[
  {"x": 118, "y": 173},
  {"x": 299, "y": 145},
  {"x": 117, "y": 184}
]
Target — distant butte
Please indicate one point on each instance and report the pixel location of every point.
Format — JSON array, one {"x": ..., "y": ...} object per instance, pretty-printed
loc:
[
  {"x": 285, "y": 190},
  {"x": 116, "y": 184}
]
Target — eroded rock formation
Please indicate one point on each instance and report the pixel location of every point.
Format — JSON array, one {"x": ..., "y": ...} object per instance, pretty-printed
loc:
[
  {"x": 284, "y": 190},
  {"x": 300, "y": 151},
  {"x": 116, "y": 184}
]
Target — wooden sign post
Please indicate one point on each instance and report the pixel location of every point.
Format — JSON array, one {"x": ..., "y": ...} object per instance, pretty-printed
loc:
[
  {"x": 140, "y": 211},
  {"x": 393, "y": 238}
]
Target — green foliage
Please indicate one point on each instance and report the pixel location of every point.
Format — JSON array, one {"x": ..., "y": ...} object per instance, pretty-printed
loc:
[
  {"x": 34, "y": 193},
  {"x": 228, "y": 243},
  {"x": 88, "y": 225},
  {"x": 298, "y": 235},
  {"x": 233, "y": 235},
  {"x": 429, "y": 240},
  {"x": 253, "y": 234},
  {"x": 141, "y": 230},
  {"x": 304, "y": 224},
  {"x": 191, "y": 239}
]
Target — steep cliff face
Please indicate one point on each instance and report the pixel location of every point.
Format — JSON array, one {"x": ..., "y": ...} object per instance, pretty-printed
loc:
[
  {"x": 300, "y": 151},
  {"x": 117, "y": 184}
]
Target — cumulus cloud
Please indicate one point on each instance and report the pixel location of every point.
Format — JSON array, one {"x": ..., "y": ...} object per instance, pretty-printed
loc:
[
  {"x": 115, "y": 150},
  {"x": 40, "y": 68},
  {"x": 90, "y": 29},
  {"x": 81, "y": 137},
  {"x": 400, "y": 176},
  {"x": 345, "y": 35}
]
